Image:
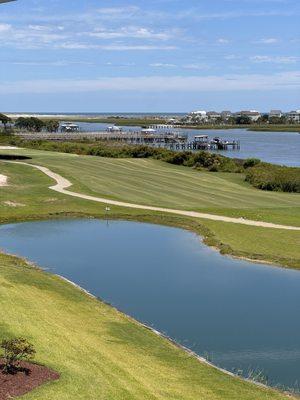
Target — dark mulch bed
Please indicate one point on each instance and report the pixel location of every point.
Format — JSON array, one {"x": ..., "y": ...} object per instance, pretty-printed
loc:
[{"x": 29, "y": 377}]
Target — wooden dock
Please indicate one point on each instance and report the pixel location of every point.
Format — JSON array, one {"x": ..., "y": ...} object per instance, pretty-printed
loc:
[{"x": 171, "y": 141}]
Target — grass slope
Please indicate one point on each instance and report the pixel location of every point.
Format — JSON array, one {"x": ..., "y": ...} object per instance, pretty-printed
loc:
[
  {"x": 100, "y": 353},
  {"x": 157, "y": 183}
]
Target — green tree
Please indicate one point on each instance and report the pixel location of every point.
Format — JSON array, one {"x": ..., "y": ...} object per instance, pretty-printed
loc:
[
  {"x": 4, "y": 119},
  {"x": 51, "y": 125},
  {"x": 243, "y": 120},
  {"x": 263, "y": 119},
  {"x": 277, "y": 120},
  {"x": 31, "y": 124}
]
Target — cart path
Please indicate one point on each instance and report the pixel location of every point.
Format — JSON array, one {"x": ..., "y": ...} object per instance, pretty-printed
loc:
[{"x": 62, "y": 184}]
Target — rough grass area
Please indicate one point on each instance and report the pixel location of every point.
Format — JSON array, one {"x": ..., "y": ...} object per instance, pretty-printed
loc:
[
  {"x": 275, "y": 178},
  {"x": 153, "y": 182},
  {"x": 99, "y": 352},
  {"x": 27, "y": 197},
  {"x": 250, "y": 242}
]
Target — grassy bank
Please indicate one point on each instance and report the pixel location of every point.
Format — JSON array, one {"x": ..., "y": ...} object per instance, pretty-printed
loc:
[
  {"x": 157, "y": 183},
  {"x": 276, "y": 128},
  {"x": 100, "y": 353}
]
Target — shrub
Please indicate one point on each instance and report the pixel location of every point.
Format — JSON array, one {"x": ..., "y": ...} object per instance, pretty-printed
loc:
[
  {"x": 179, "y": 158},
  {"x": 215, "y": 162},
  {"x": 274, "y": 177},
  {"x": 251, "y": 162},
  {"x": 14, "y": 351}
]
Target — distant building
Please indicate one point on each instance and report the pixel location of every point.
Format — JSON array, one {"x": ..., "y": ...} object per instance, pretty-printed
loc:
[
  {"x": 275, "y": 113},
  {"x": 293, "y": 116},
  {"x": 195, "y": 117},
  {"x": 213, "y": 115},
  {"x": 173, "y": 120},
  {"x": 69, "y": 127},
  {"x": 226, "y": 114},
  {"x": 252, "y": 114},
  {"x": 198, "y": 114}
]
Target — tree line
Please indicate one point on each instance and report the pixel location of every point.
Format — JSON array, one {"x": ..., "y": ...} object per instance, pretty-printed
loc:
[
  {"x": 264, "y": 119},
  {"x": 31, "y": 124}
]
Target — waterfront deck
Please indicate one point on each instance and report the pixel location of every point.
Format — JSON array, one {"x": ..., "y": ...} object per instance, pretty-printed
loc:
[{"x": 171, "y": 141}]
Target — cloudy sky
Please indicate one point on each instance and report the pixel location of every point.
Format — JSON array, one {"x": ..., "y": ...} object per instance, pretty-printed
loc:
[{"x": 155, "y": 56}]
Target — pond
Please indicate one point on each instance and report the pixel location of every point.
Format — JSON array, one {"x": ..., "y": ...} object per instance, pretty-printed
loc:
[
  {"x": 244, "y": 315},
  {"x": 274, "y": 147}
]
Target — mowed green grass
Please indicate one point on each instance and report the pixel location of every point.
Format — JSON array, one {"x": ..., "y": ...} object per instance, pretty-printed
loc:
[
  {"x": 29, "y": 189},
  {"x": 100, "y": 353},
  {"x": 157, "y": 183}
]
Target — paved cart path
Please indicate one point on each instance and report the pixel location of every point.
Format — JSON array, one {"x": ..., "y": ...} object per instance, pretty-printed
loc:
[{"x": 62, "y": 184}]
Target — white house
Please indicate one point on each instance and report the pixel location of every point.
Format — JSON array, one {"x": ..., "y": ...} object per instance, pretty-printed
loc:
[
  {"x": 252, "y": 114},
  {"x": 275, "y": 113},
  {"x": 213, "y": 115},
  {"x": 226, "y": 114},
  {"x": 197, "y": 116},
  {"x": 294, "y": 116},
  {"x": 200, "y": 114}
]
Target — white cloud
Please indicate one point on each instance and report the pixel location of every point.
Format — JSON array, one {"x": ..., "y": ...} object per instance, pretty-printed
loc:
[
  {"x": 195, "y": 66},
  {"x": 57, "y": 36},
  {"x": 223, "y": 41},
  {"x": 275, "y": 59},
  {"x": 30, "y": 37},
  {"x": 112, "y": 12},
  {"x": 129, "y": 32},
  {"x": 226, "y": 83},
  {"x": 38, "y": 28},
  {"x": 268, "y": 41},
  {"x": 232, "y": 57},
  {"x": 162, "y": 65},
  {"x": 194, "y": 13},
  {"x": 60, "y": 63},
  {"x": 111, "y": 47},
  {"x": 5, "y": 27}
]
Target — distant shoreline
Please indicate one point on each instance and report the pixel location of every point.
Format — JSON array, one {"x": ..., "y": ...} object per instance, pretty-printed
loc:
[{"x": 139, "y": 119}]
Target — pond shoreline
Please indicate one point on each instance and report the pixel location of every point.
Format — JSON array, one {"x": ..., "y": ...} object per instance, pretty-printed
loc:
[
  {"x": 204, "y": 233},
  {"x": 163, "y": 336}
]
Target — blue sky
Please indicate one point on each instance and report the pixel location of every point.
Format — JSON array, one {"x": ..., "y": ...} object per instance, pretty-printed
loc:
[{"x": 154, "y": 56}]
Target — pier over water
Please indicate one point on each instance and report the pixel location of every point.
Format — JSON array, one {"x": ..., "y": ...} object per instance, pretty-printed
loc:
[{"x": 168, "y": 140}]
